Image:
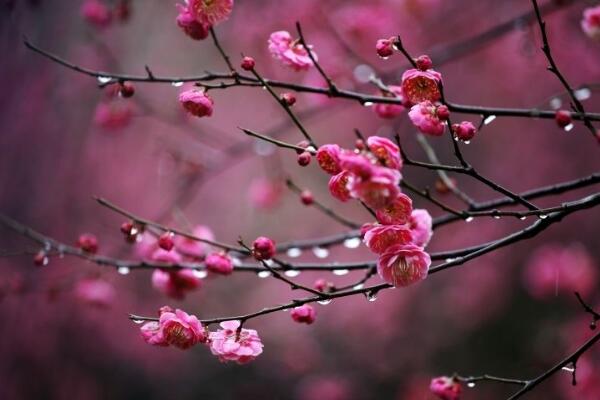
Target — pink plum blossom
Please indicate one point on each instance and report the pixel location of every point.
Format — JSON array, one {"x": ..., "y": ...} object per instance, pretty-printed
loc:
[
  {"x": 421, "y": 227},
  {"x": 338, "y": 185},
  {"x": 291, "y": 53},
  {"x": 230, "y": 345},
  {"x": 386, "y": 151},
  {"x": 190, "y": 25},
  {"x": 96, "y": 292},
  {"x": 381, "y": 237},
  {"x": 591, "y": 22},
  {"x": 379, "y": 190},
  {"x": 419, "y": 86},
  {"x": 328, "y": 157},
  {"x": 219, "y": 263},
  {"x": 464, "y": 131},
  {"x": 425, "y": 118},
  {"x": 403, "y": 264},
  {"x": 445, "y": 388},
  {"x": 176, "y": 328},
  {"x": 197, "y": 102},
  {"x": 210, "y": 12},
  {"x": 194, "y": 248},
  {"x": 396, "y": 212},
  {"x": 304, "y": 314},
  {"x": 390, "y": 110},
  {"x": 96, "y": 13},
  {"x": 263, "y": 248},
  {"x": 175, "y": 283}
]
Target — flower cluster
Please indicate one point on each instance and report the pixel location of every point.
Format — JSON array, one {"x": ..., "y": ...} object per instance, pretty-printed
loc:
[
  {"x": 290, "y": 52},
  {"x": 196, "y": 17},
  {"x": 179, "y": 329},
  {"x": 372, "y": 175}
]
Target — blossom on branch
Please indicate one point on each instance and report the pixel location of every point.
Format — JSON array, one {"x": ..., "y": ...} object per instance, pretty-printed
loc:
[
  {"x": 234, "y": 344},
  {"x": 174, "y": 328},
  {"x": 289, "y": 51}
]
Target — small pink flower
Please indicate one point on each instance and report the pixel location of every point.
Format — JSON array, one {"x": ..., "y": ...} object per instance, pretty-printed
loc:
[
  {"x": 164, "y": 256},
  {"x": 196, "y": 102},
  {"x": 291, "y": 53},
  {"x": 229, "y": 345},
  {"x": 359, "y": 164},
  {"x": 384, "y": 48},
  {"x": 193, "y": 248},
  {"x": 219, "y": 263},
  {"x": 151, "y": 334},
  {"x": 181, "y": 330},
  {"x": 328, "y": 157},
  {"x": 591, "y": 22},
  {"x": 210, "y": 12},
  {"x": 338, "y": 185},
  {"x": 390, "y": 110},
  {"x": 425, "y": 118},
  {"x": 464, "y": 131},
  {"x": 190, "y": 25},
  {"x": 379, "y": 190},
  {"x": 176, "y": 283},
  {"x": 397, "y": 212},
  {"x": 386, "y": 151},
  {"x": 381, "y": 237},
  {"x": 421, "y": 227},
  {"x": 403, "y": 265},
  {"x": 419, "y": 86},
  {"x": 88, "y": 243},
  {"x": 96, "y": 292},
  {"x": 96, "y": 12},
  {"x": 263, "y": 248},
  {"x": 304, "y": 314},
  {"x": 445, "y": 388}
]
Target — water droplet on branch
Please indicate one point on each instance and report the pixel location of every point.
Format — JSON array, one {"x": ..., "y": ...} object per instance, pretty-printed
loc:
[
  {"x": 294, "y": 252},
  {"x": 352, "y": 243},
  {"x": 340, "y": 272},
  {"x": 292, "y": 273}
]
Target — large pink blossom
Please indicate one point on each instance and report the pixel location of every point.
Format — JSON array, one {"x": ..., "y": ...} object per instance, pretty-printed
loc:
[
  {"x": 190, "y": 25},
  {"x": 381, "y": 237},
  {"x": 219, "y": 263},
  {"x": 403, "y": 265},
  {"x": 425, "y": 118},
  {"x": 390, "y": 110},
  {"x": 291, "y": 53},
  {"x": 591, "y": 22},
  {"x": 338, "y": 185},
  {"x": 228, "y": 345},
  {"x": 421, "y": 227},
  {"x": 304, "y": 314},
  {"x": 379, "y": 190},
  {"x": 386, "y": 151},
  {"x": 176, "y": 328},
  {"x": 210, "y": 12},
  {"x": 445, "y": 388},
  {"x": 396, "y": 212},
  {"x": 197, "y": 102},
  {"x": 328, "y": 157},
  {"x": 419, "y": 86}
]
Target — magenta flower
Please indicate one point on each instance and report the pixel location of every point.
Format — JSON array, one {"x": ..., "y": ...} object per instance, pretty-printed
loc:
[
  {"x": 304, "y": 314},
  {"x": 338, "y": 185},
  {"x": 196, "y": 102},
  {"x": 96, "y": 292},
  {"x": 96, "y": 13},
  {"x": 263, "y": 248},
  {"x": 291, "y": 53},
  {"x": 445, "y": 388},
  {"x": 384, "y": 48},
  {"x": 210, "y": 12},
  {"x": 425, "y": 118},
  {"x": 386, "y": 151},
  {"x": 219, "y": 263},
  {"x": 591, "y": 22},
  {"x": 389, "y": 110},
  {"x": 88, "y": 243},
  {"x": 165, "y": 256},
  {"x": 190, "y": 25},
  {"x": 403, "y": 265},
  {"x": 397, "y": 212},
  {"x": 464, "y": 131},
  {"x": 381, "y": 237},
  {"x": 174, "y": 328},
  {"x": 379, "y": 190},
  {"x": 421, "y": 227},
  {"x": 151, "y": 334},
  {"x": 419, "y": 86},
  {"x": 358, "y": 164},
  {"x": 175, "y": 283},
  {"x": 230, "y": 345},
  {"x": 328, "y": 157}
]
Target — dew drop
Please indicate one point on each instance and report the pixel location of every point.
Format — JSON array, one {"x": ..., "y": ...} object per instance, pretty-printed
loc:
[
  {"x": 294, "y": 252},
  {"x": 177, "y": 84},
  {"x": 352, "y": 243},
  {"x": 137, "y": 321},
  {"x": 200, "y": 273},
  {"x": 467, "y": 142},
  {"x": 556, "y": 103},
  {"x": 449, "y": 259},
  {"x": 583, "y": 94},
  {"x": 469, "y": 219},
  {"x": 523, "y": 218},
  {"x": 264, "y": 274},
  {"x": 324, "y": 302},
  {"x": 543, "y": 216},
  {"x": 496, "y": 217},
  {"x": 371, "y": 296},
  {"x": 45, "y": 261},
  {"x": 341, "y": 272},
  {"x": 471, "y": 384},
  {"x": 368, "y": 103},
  {"x": 320, "y": 252},
  {"x": 568, "y": 369},
  {"x": 568, "y": 128},
  {"x": 270, "y": 263},
  {"x": 488, "y": 120},
  {"x": 384, "y": 58},
  {"x": 236, "y": 261},
  {"x": 358, "y": 287},
  {"x": 123, "y": 270},
  {"x": 103, "y": 80},
  {"x": 292, "y": 273}
]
